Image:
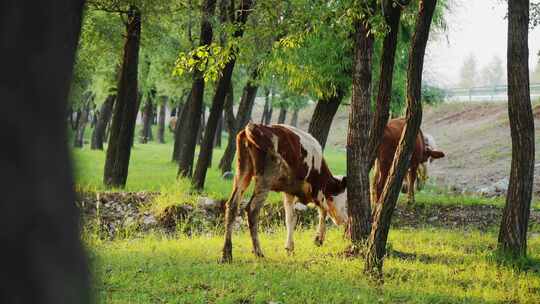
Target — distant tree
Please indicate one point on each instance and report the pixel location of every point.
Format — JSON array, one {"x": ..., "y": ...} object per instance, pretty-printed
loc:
[
  {"x": 44, "y": 258},
  {"x": 493, "y": 73},
  {"x": 513, "y": 229},
  {"x": 468, "y": 72}
]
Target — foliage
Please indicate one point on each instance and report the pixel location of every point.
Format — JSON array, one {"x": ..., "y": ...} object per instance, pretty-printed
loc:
[{"x": 432, "y": 94}]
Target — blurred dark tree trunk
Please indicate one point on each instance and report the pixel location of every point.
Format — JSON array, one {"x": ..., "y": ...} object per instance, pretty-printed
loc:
[
  {"x": 359, "y": 207},
  {"x": 105, "y": 113},
  {"x": 282, "y": 114},
  {"x": 126, "y": 107},
  {"x": 514, "y": 224},
  {"x": 161, "y": 120},
  {"x": 322, "y": 117},
  {"x": 382, "y": 216},
  {"x": 81, "y": 127},
  {"x": 235, "y": 125},
  {"x": 40, "y": 230},
  {"x": 193, "y": 121}
]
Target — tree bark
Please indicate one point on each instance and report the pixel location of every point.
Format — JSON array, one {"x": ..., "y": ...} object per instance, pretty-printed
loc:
[
  {"x": 384, "y": 94},
  {"x": 39, "y": 227},
  {"x": 514, "y": 224},
  {"x": 385, "y": 206},
  {"x": 179, "y": 129},
  {"x": 359, "y": 207},
  {"x": 161, "y": 120},
  {"x": 105, "y": 113},
  {"x": 126, "y": 108},
  {"x": 219, "y": 131},
  {"x": 205, "y": 152},
  {"x": 294, "y": 119},
  {"x": 193, "y": 121},
  {"x": 267, "y": 106},
  {"x": 147, "y": 117},
  {"x": 245, "y": 109},
  {"x": 282, "y": 114},
  {"x": 81, "y": 127},
  {"x": 322, "y": 117}
]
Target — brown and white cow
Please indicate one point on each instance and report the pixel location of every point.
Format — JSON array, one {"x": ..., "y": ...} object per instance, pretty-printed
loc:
[
  {"x": 424, "y": 151},
  {"x": 284, "y": 159}
]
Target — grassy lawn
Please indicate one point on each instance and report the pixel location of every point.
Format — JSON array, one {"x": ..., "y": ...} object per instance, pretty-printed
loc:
[{"x": 433, "y": 266}]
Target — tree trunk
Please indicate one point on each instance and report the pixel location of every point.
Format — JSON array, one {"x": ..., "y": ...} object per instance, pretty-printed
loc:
[
  {"x": 358, "y": 198},
  {"x": 193, "y": 121},
  {"x": 235, "y": 125},
  {"x": 161, "y": 120},
  {"x": 105, "y": 113},
  {"x": 219, "y": 131},
  {"x": 385, "y": 206},
  {"x": 514, "y": 224},
  {"x": 268, "y": 117},
  {"x": 294, "y": 119},
  {"x": 322, "y": 117},
  {"x": 384, "y": 94},
  {"x": 282, "y": 114},
  {"x": 202, "y": 127},
  {"x": 40, "y": 230},
  {"x": 267, "y": 106},
  {"x": 179, "y": 129},
  {"x": 126, "y": 108},
  {"x": 147, "y": 117},
  {"x": 81, "y": 127},
  {"x": 205, "y": 152}
]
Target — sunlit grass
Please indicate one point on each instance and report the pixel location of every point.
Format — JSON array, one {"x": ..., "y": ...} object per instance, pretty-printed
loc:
[{"x": 431, "y": 266}]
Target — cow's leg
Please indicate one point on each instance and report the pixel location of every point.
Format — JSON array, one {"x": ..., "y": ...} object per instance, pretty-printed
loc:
[
  {"x": 254, "y": 207},
  {"x": 321, "y": 229},
  {"x": 290, "y": 220},
  {"x": 241, "y": 183},
  {"x": 411, "y": 179}
]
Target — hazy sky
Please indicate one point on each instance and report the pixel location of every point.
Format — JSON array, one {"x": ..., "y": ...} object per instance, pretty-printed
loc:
[{"x": 475, "y": 27}]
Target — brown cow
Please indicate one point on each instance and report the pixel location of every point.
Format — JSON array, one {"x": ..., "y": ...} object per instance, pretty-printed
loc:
[
  {"x": 172, "y": 124},
  {"x": 284, "y": 159},
  {"x": 424, "y": 151}
]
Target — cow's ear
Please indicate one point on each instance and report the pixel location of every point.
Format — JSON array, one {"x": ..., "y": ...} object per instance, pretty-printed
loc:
[
  {"x": 344, "y": 181},
  {"x": 436, "y": 154}
]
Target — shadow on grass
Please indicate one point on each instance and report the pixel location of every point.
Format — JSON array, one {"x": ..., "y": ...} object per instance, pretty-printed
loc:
[{"x": 521, "y": 264}]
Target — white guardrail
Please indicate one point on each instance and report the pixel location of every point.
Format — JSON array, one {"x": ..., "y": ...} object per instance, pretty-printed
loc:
[{"x": 486, "y": 93}]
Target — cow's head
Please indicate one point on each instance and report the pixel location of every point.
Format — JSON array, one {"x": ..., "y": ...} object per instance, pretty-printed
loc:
[
  {"x": 430, "y": 151},
  {"x": 337, "y": 202}
]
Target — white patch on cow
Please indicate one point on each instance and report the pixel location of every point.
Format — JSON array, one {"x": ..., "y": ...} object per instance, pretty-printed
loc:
[
  {"x": 340, "y": 203},
  {"x": 313, "y": 148},
  {"x": 429, "y": 141}
]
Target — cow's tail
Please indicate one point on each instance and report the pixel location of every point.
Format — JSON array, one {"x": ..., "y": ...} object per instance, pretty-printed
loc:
[{"x": 260, "y": 136}]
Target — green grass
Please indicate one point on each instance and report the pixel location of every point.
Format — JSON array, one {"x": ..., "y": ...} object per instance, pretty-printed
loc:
[{"x": 435, "y": 266}]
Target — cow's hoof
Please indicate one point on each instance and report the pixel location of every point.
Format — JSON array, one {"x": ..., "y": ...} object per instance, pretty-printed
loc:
[
  {"x": 290, "y": 251},
  {"x": 318, "y": 241}
]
